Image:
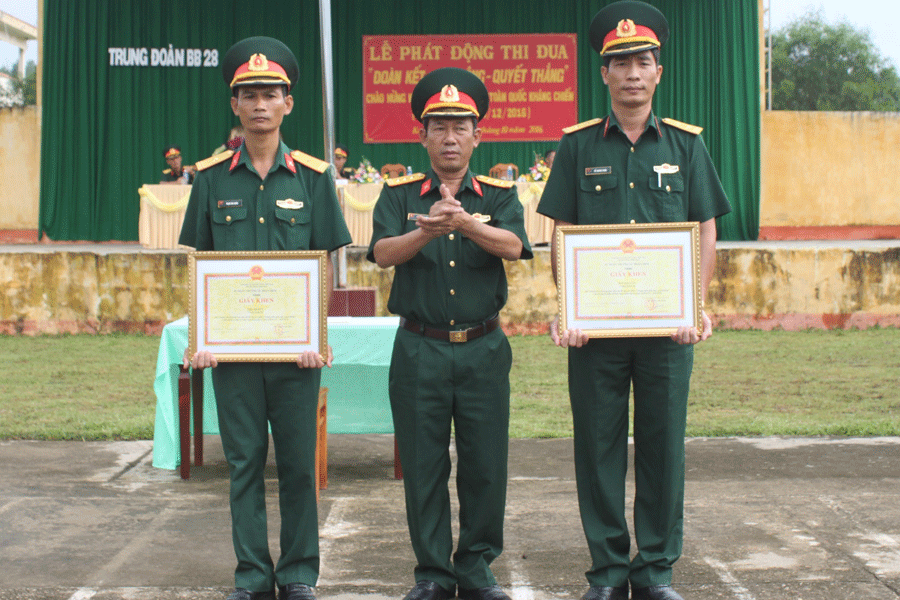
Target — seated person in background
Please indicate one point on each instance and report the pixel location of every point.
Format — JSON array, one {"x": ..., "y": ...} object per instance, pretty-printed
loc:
[
  {"x": 548, "y": 158},
  {"x": 340, "y": 159},
  {"x": 176, "y": 173},
  {"x": 235, "y": 138}
]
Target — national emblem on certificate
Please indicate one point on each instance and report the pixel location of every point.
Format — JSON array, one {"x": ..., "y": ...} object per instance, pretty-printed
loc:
[
  {"x": 258, "y": 306},
  {"x": 629, "y": 280}
]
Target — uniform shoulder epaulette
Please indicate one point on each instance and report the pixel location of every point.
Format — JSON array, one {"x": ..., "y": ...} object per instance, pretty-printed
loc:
[
  {"x": 166, "y": 171},
  {"x": 311, "y": 162},
  {"x": 695, "y": 129},
  {"x": 584, "y": 125},
  {"x": 500, "y": 183},
  {"x": 213, "y": 160},
  {"x": 395, "y": 181}
]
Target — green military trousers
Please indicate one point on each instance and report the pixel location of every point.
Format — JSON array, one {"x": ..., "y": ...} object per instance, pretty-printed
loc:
[
  {"x": 601, "y": 374},
  {"x": 434, "y": 383},
  {"x": 250, "y": 396}
]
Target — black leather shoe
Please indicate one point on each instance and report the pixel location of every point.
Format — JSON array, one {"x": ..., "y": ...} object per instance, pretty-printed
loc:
[
  {"x": 295, "y": 591},
  {"x": 242, "y": 594},
  {"x": 429, "y": 590},
  {"x": 655, "y": 592},
  {"x": 606, "y": 592},
  {"x": 491, "y": 592}
]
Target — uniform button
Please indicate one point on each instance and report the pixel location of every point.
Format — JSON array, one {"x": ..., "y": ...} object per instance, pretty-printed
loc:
[
  {"x": 632, "y": 148},
  {"x": 261, "y": 220},
  {"x": 228, "y": 219},
  {"x": 668, "y": 188},
  {"x": 452, "y": 322},
  {"x": 452, "y": 292},
  {"x": 451, "y": 236},
  {"x": 262, "y": 187},
  {"x": 632, "y": 221},
  {"x": 631, "y": 185},
  {"x": 292, "y": 219},
  {"x": 598, "y": 188},
  {"x": 452, "y": 263}
]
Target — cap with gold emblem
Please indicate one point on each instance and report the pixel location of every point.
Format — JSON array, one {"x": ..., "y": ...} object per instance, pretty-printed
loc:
[
  {"x": 628, "y": 27},
  {"x": 172, "y": 151},
  {"x": 449, "y": 92},
  {"x": 260, "y": 61}
]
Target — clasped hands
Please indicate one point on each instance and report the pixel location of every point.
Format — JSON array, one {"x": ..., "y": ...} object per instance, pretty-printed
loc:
[
  {"x": 305, "y": 360},
  {"x": 577, "y": 338},
  {"x": 445, "y": 216}
]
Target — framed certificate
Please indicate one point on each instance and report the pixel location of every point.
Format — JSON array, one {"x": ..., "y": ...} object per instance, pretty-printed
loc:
[
  {"x": 629, "y": 280},
  {"x": 258, "y": 306}
]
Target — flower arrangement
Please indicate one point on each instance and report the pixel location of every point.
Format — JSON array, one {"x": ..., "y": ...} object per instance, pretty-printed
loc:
[
  {"x": 539, "y": 171},
  {"x": 366, "y": 173}
]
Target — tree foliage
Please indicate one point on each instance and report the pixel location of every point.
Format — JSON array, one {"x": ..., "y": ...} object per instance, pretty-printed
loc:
[
  {"x": 24, "y": 88},
  {"x": 821, "y": 66}
]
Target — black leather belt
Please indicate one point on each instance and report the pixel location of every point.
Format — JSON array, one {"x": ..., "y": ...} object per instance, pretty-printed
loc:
[{"x": 464, "y": 335}]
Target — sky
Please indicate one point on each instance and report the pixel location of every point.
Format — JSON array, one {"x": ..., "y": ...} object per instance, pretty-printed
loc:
[{"x": 879, "y": 17}]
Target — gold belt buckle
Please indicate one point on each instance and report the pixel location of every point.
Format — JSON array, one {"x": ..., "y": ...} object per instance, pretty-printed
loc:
[{"x": 459, "y": 336}]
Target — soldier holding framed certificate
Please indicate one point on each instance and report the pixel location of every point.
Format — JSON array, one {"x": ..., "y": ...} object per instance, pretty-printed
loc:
[
  {"x": 632, "y": 167},
  {"x": 262, "y": 197}
]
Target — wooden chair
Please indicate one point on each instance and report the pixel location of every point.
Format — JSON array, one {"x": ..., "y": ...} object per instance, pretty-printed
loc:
[
  {"x": 498, "y": 171},
  {"x": 392, "y": 170}
]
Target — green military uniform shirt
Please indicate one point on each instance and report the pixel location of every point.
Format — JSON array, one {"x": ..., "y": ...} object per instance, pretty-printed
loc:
[
  {"x": 294, "y": 207},
  {"x": 600, "y": 177},
  {"x": 452, "y": 282}
]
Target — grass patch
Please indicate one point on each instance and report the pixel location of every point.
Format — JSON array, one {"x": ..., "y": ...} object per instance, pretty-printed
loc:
[{"x": 87, "y": 387}]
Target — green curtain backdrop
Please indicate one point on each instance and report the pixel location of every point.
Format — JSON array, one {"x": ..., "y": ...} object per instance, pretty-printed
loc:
[{"x": 104, "y": 128}]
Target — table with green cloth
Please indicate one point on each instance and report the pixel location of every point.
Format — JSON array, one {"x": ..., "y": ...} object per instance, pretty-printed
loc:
[{"x": 357, "y": 382}]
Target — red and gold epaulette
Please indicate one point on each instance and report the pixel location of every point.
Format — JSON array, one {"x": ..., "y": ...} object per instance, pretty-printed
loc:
[
  {"x": 583, "y": 125},
  {"x": 395, "y": 181},
  {"x": 310, "y": 162},
  {"x": 695, "y": 129},
  {"x": 213, "y": 160},
  {"x": 166, "y": 171},
  {"x": 500, "y": 183}
]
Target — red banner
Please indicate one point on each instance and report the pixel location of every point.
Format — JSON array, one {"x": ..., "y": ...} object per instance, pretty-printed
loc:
[{"x": 532, "y": 81}]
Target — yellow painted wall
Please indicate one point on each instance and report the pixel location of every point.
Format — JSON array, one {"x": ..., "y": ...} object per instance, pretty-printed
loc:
[
  {"x": 788, "y": 285},
  {"x": 20, "y": 167},
  {"x": 830, "y": 169}
]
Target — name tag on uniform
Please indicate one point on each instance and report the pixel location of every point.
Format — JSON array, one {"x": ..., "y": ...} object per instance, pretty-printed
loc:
[
  {"x": 289, "y": 203},
  {"x": 230, "y": 203},
  {"x": 597, "y": 171}
]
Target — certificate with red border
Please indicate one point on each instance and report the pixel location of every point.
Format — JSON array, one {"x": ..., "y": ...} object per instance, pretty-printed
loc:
[
  {"x": 258, "y": 306},
  {"x": 629, "y": 280}
]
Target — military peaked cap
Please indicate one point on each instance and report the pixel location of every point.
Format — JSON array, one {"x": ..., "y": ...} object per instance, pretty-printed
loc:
[
  {"x": 450, "y": 92},
  {"x": 260, "y": 61},
  {"x": 628, "y": 27}
]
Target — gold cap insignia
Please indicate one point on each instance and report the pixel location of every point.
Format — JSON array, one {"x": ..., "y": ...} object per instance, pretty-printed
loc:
[
  {"x": 626, "y": 28},
  {"x": 258, "y": 62},
  {"x": 449, "y": 93}
]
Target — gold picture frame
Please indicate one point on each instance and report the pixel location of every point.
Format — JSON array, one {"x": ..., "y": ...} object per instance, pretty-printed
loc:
[
  {"x": 638, "y": 280},
  {"x": 258, "y": 306}
]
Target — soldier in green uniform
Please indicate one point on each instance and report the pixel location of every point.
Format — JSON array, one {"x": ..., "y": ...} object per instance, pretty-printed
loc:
[
  {"x": 176, "y": 173},
  {"x": 263, "y": 196},
  {"x": 632, "y": 167},
  {"x": 446, "y": 232}
]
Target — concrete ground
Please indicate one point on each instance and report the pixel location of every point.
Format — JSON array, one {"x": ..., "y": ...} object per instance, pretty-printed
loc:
[{"x": 766, "y": 519}]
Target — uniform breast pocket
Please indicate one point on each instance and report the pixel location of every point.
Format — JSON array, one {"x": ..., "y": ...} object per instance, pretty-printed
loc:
[
  {"x": 597, "y": 199},
  {"x": 292, "y": 230},
  {"x": 230, "y": 226},
  {"x": 476, "y": 257},
  {"x": 668, "y": 197}
]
